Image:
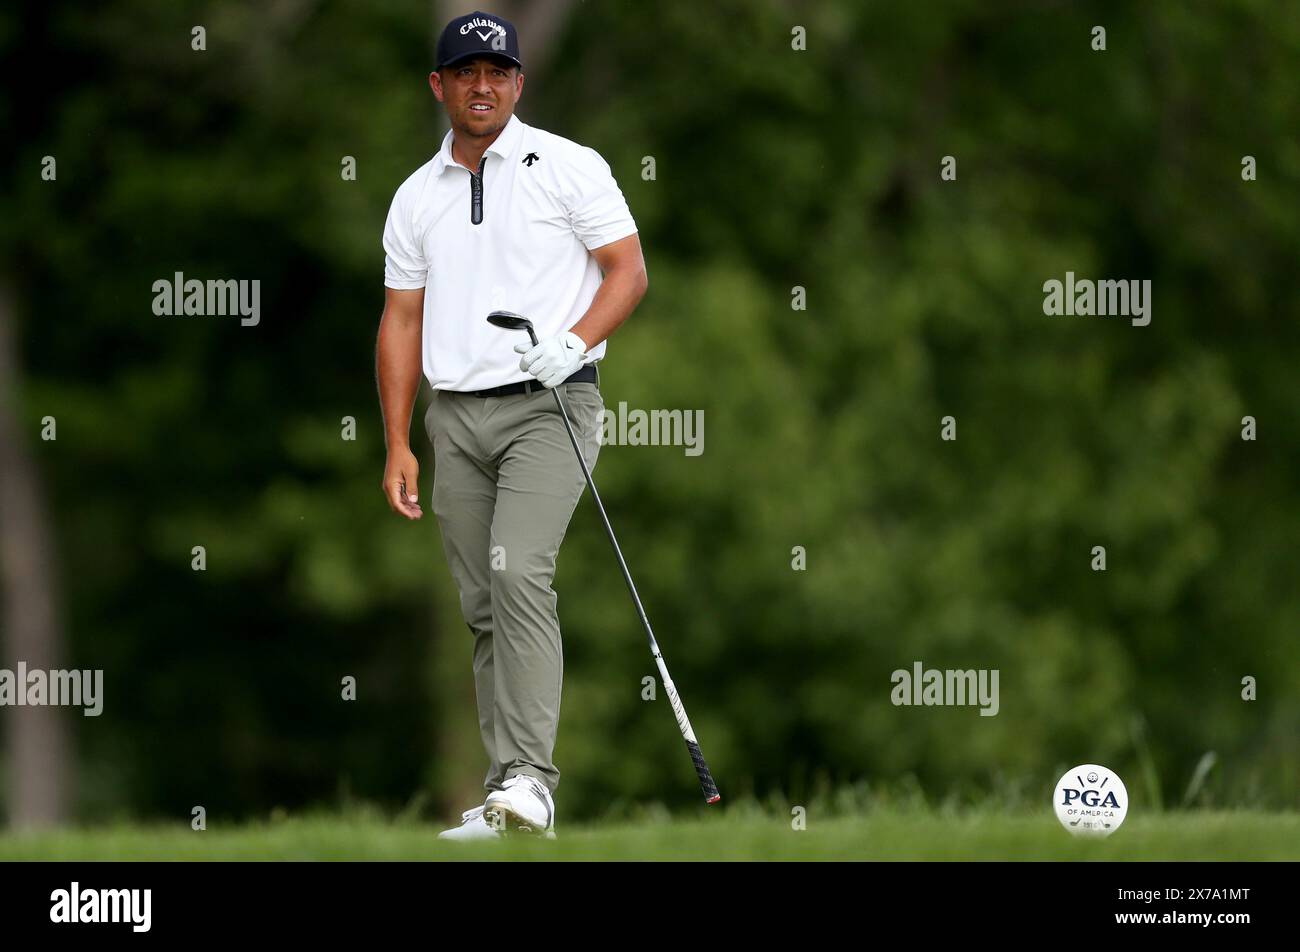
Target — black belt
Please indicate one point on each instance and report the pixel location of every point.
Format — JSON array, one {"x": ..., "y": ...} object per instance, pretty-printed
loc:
[{"x": 585, "y": 374}]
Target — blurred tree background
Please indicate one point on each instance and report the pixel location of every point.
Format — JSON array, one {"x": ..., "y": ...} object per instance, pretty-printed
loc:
[{"x": 775, "y": 168}]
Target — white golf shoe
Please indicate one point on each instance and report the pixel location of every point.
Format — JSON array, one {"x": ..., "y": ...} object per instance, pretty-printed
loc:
[
  {"x": 472, "y": 827},
  {"x": 523, "y": 806}
]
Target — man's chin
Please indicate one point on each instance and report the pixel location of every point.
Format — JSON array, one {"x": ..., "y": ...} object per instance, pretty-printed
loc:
[{"x": 482, "y": 127}]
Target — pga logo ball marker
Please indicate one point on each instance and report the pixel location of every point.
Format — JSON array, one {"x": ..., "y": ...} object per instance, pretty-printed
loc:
[{"x": 1090, "y": 800}]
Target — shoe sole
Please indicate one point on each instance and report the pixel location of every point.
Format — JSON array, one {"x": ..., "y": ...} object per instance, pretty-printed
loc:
[
  {"x": 507, "y": 821},
  {"x": 469, "y": 839}
]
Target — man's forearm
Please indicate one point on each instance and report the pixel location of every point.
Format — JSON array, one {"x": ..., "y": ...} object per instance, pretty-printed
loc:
[
  {"x": 397, "y": 360},
  {"x": 616, "y": 298}
]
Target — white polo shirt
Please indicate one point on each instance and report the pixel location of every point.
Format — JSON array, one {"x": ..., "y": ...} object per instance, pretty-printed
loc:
[{"x": 545, "y": 201}]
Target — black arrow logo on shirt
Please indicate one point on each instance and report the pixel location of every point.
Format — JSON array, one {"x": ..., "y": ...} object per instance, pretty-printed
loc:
[{"x": 530, "y": 158}]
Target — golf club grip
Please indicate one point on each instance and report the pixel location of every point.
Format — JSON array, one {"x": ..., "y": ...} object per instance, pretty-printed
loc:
[{"x": 710, "y": 789}]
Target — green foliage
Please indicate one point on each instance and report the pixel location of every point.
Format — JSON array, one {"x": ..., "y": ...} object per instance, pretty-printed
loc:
[{"x": 775, "y": 169}]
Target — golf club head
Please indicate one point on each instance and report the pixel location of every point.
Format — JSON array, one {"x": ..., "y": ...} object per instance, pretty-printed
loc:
[{"x": 512, "y": 322}]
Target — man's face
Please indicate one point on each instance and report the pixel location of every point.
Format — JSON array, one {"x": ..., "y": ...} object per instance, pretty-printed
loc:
[{"x": 478, "y": 82}]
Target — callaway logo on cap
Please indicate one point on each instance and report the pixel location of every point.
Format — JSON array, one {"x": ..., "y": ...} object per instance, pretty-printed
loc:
[{"x": 477, "y": 34}]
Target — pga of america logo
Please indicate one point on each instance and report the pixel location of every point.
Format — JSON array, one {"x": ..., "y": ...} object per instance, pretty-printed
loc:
[{"x": 1090, "y": 800}]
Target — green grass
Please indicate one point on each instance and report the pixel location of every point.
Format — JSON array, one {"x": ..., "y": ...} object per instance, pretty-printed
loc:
[{"x": 879, "y": 835}]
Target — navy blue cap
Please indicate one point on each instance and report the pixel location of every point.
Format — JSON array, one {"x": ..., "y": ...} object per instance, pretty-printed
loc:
[{"x": 477, "y": 34}]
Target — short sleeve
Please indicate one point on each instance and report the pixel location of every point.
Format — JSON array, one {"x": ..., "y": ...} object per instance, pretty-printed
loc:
[
  {"x": 598, "y": 211},
  {"x": 404, "y": 263}
]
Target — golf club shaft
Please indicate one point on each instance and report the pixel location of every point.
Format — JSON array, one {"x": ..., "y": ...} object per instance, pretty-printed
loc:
[{"x": 710, "y": 789}]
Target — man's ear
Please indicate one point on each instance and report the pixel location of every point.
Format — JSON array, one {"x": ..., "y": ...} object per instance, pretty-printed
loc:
[{"x": 435, "y": 83}]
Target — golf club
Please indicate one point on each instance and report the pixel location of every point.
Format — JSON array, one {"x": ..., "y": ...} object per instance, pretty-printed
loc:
[{"x": 516, "y": 322}]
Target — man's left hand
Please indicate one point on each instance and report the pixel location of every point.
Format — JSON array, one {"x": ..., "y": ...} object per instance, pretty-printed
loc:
[{"x": 554, "y": 359}]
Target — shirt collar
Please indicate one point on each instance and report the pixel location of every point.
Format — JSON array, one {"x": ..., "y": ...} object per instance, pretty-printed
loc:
[{"x": 506, "y": 145}]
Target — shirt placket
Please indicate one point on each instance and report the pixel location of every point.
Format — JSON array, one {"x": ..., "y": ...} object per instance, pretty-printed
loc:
[{"x": 476, "y": 192}]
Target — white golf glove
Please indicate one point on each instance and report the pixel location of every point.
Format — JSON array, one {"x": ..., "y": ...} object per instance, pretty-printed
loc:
[{"x": 554, "y": 359}]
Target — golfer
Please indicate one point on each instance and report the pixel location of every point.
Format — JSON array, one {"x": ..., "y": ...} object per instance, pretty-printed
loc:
[{"x": 507, "y": 217}]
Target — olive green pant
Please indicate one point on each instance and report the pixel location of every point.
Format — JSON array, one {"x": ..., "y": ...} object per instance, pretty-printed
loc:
[{"x": 506, "y": 482}]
